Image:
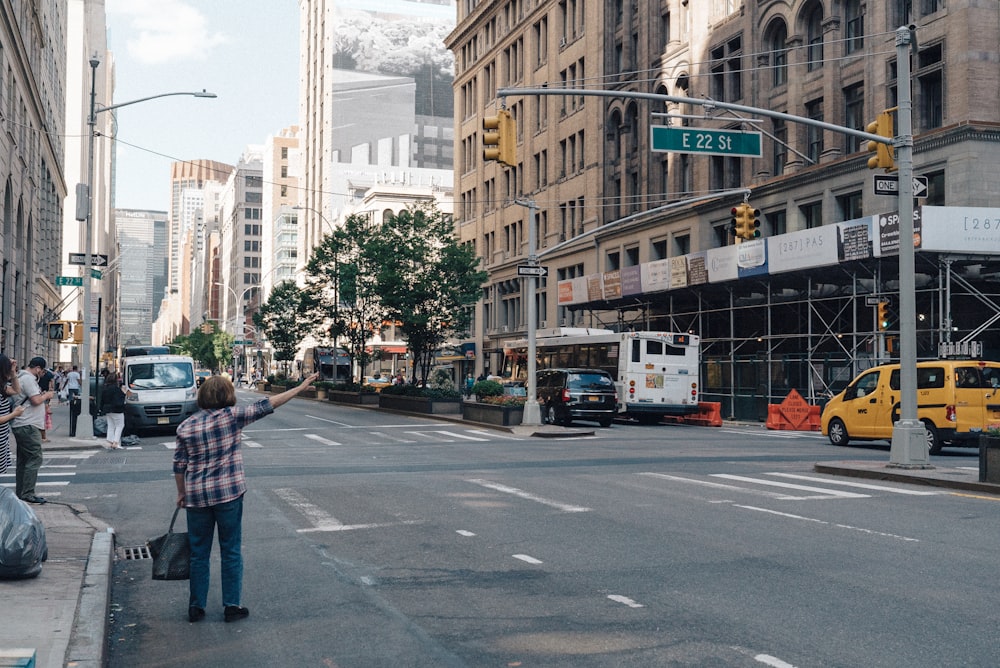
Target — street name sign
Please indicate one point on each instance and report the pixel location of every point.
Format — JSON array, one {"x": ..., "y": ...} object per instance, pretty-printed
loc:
[
  {"x": 666, "y": 138},
  {"x": 69, "y": 280},
  {"x": 873, "y": 301},
  {"x": 888, "y": 184},
  {"x": 96, "y": 260},
  {"x": 531, "y": 270}
]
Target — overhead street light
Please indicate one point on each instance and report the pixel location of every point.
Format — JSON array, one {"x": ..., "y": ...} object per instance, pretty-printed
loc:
[{"x": 84, "y": 213}]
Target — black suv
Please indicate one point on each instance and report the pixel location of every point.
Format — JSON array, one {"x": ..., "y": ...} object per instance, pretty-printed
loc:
[{"x": 565, "y": 395}]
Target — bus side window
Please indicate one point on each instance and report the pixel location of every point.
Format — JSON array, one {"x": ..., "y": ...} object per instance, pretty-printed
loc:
[
  {"x": 636, "y": 350},
  {"x": 654, "y": 347}
]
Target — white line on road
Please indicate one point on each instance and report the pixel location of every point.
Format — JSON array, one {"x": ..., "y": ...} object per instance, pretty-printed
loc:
[
  {"x": 339, "y": 424},
  {"x": 775, "y": 662},
  {"x": 251, "y": 444},
  {"x": 392, "y": 437},
  {"x": 463, "y": 532},
  {"x": 320, "y": 439},
  {"x": 785, "y": 485},
  {"x": 41, "y": 483},
  {"x": 316, "y": 516},
  {"x": 719, "y": 485},
  {"x": 494, "y": 434},
  {"x": 859, "y": 485},
  {"x": 625, "y": 600},
  {"x": 457, "y": 435},
  {"x": 529, "y": 496},
  {"x": 839, "y": 526},
  {"x": 355, "y": 527},
  {"x": 528, "y": 559}
]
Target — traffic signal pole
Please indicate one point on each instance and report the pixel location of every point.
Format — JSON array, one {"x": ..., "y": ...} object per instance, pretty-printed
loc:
[{"x": 909, "y": 437}]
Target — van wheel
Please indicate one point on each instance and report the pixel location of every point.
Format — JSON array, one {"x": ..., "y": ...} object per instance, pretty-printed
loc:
[
  {"x": 837, "y": 432},
  {"x": 934, "y": 443},
  {"x": 606, "y": 422}
]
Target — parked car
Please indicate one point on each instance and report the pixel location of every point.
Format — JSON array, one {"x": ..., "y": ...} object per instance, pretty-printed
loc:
[
  {"x": 378, "y": 382},
  {"x": 565, "y": 395}
]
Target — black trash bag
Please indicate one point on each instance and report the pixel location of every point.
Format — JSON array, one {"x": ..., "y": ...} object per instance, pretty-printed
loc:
[
  {"x": 100, "y": 426},
  {"x": 22, "y": 538},
  {"x": 130, "y": 441}
]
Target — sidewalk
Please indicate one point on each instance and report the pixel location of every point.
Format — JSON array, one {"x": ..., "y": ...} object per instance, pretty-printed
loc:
[{"x": 61, "y": 617}]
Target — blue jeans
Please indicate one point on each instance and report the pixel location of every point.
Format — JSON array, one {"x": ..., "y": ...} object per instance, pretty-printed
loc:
[{"x": 201, "y": 523}]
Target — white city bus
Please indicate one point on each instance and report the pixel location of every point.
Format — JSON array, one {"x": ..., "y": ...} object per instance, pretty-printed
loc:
[{"x": 656, "y": 373}]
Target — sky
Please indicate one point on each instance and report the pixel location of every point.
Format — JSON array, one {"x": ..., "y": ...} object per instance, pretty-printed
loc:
[{"x": 245, "y": 51}]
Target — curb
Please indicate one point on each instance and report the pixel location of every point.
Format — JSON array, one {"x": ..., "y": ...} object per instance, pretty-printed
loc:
[{"x": 88, "y": 643}]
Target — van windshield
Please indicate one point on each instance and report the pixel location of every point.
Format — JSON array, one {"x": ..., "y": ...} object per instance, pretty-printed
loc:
[{"x": 160, "y": 375}]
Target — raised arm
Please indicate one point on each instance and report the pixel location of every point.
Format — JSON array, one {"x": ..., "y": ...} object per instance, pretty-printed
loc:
[{"x": 279, "y": 399}]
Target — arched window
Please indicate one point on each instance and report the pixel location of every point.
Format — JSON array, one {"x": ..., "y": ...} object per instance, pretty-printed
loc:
[
  {"x": 855, "y": 26},
  {"x": 777, "y": 39}
]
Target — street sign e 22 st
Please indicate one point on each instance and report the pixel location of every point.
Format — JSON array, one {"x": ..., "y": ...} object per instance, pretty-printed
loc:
[{"x": 666, "y": 138}]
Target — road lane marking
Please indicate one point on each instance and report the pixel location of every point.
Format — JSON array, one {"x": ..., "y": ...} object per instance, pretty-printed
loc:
[
  {"x": 859, "y": 485},
  {"x": 463, "y": 532},
  {"x": 494, "y": 434},
  {"x": 772, "y": 661},
  {"x": 320, "y": 439},
  {"x": 392, "y": 437},
  {"x": 316, "y": 516},
  {"x": 527, "y": 558},
  {"x": 529, "y": 496},
  {"x": 801, "y": 488},
  {"x": 625, "y": 600},
  {"x": 458, "y": 435},
  {"x": 251, "y": 444},
  {"x": 336, "y": 422},
  {"x": 719, "y": 485},
  {"x": 975, "y": 496},
  {"x": 355, "y": 527},
  {"x": 839, "y": 526}
]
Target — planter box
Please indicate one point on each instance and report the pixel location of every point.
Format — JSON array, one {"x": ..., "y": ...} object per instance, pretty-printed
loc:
[
  {"x": 505, "y": 416},
  {"x": 345, "y": 397},
  {"x": 989, "y": 458},
  {"x": 399, "y": 402}
]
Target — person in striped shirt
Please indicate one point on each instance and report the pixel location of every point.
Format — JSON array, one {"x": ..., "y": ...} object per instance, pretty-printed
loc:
[{"x": 208, "y": 470}]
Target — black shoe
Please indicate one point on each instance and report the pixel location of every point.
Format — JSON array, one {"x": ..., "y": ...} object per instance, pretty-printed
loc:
[
  {"x": 235, "y": 613},
  {"x": 196, "y": 614},
  {"x": 31, "y": 498}
]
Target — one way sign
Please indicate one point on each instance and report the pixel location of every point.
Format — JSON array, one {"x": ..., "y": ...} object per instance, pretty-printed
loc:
[
  {"x": 888, "y": 184},
  {"x": 96, "y": 260}
]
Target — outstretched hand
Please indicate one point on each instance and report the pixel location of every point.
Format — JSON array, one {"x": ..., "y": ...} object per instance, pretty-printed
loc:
[{"x": 308, "y": 380}]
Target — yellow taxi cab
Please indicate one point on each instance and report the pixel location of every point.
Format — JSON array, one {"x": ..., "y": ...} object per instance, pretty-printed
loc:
[
  {"x": 956, "y": 401},
  {"x": 378, "y": 382}
]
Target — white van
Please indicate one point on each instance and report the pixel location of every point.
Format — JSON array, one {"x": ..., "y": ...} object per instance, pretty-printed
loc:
[{"x": 161, "y": 391}]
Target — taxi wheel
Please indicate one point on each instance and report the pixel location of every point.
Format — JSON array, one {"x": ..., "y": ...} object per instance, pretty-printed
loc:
[
  {"x": 934, "y": 444},
  {"x": 837, "y": 431}
]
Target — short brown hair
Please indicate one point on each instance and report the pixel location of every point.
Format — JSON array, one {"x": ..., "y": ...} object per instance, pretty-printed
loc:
[{"x": 216, "y": 392}]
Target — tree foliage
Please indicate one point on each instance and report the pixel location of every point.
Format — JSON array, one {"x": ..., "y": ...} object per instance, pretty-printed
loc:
[
  {"x": 342, "y": 293},
  {"x": 211, "y": 351},
  {"x": 282, "y": 318},
  {"x": 427, "y": 280}
]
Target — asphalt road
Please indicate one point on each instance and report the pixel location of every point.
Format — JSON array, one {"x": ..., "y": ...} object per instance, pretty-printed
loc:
[{"x": 373, "y": 539}]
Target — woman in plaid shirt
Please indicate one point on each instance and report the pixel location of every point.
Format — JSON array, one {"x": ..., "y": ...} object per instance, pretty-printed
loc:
[{"x": 208, "y": 469}]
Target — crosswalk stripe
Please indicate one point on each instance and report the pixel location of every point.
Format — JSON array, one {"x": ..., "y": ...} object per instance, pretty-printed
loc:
[
  {"x": 320, "y": 439},
  {"x": 457, "y": 435},
  {"x": 859, "y": 485},
  {"x": 717, "y": 485},
  {"x": 251, "y": 444},
  {"x": 529, "y": 496},
  {"x": 785, "y": 485}
]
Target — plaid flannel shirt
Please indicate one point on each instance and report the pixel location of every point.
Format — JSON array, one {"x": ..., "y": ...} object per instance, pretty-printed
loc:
[{"x": 209, "y": 455}]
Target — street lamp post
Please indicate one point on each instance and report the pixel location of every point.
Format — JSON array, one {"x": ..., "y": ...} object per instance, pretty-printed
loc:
[{"x": 86, "y": 215}]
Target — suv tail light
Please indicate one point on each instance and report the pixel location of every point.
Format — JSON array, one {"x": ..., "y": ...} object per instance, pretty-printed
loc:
[
  {"x": 949, "y": 413},
  {"x": 564, "y": 396}
]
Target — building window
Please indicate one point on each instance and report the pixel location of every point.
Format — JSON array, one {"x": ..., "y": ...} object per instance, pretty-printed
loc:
[
  {"x": 727, "y": 71},
  {"x": 812, "y": 214},
  {"x": 850, "y": 206},
  {"x": 930, "y": 84},
  {"x": 814, "y": 135},
  {"x": 855, "y": 27},
  {"x": 935, "y": 189},
  {"x": 814, "y": 37},
  {"x": 777, "y": 222},
  {"x": 682, "y": 244},
  {"x": 777, "y": 40},
  {"x": 854, "y": 115},
  {"x": 658, "y": 250},
  {"x": 780, "y": 147}
]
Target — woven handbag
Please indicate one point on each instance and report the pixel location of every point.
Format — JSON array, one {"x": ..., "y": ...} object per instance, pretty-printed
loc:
[{"x": 171, "y": 554}]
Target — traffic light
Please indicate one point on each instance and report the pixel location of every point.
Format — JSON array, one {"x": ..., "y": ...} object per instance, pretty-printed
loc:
[
  {"x": 885, "y": 154},
  {"x": 77, "y": 331},
  {"x": 744, "y": 222},
  {"x": 58, "y": 330},
  {"x": 883, "y": 316},
  {"x": 206, "y": 328},
  {"x": 500, "y": 138}
]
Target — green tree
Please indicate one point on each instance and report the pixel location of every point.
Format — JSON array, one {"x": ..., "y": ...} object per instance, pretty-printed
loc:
[
  {"x": 283, "y": 319},
  {"x": 342, "y": 292},
  {"x": 427, "y": 279},
  {"x": 212, "y": 351}
]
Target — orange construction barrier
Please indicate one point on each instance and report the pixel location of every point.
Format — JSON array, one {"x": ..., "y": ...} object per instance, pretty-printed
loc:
[
  {"x": 793, "y": 414},
  {"x": 709, "y": 414}
]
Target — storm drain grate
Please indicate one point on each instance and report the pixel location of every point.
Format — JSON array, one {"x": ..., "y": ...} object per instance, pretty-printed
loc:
[{"x": 136, "y": 553}]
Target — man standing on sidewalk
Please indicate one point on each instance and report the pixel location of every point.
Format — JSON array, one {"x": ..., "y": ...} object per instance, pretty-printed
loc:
[{"x": 27, "y": 430}]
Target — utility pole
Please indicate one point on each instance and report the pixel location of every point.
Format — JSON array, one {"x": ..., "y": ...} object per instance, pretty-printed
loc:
[{"x": 532, "y": 415}]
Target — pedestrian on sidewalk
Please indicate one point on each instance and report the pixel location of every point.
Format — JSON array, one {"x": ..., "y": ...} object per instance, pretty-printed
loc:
[
  {"x": 8, "y": 380},
  {"x": 27, "y": 429},
  {"x": 208, "y": 471},
  {"x": 45, "y": 382},
  {"x": 113, "y": 405},
  {"x": 72, "y": 382}
]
